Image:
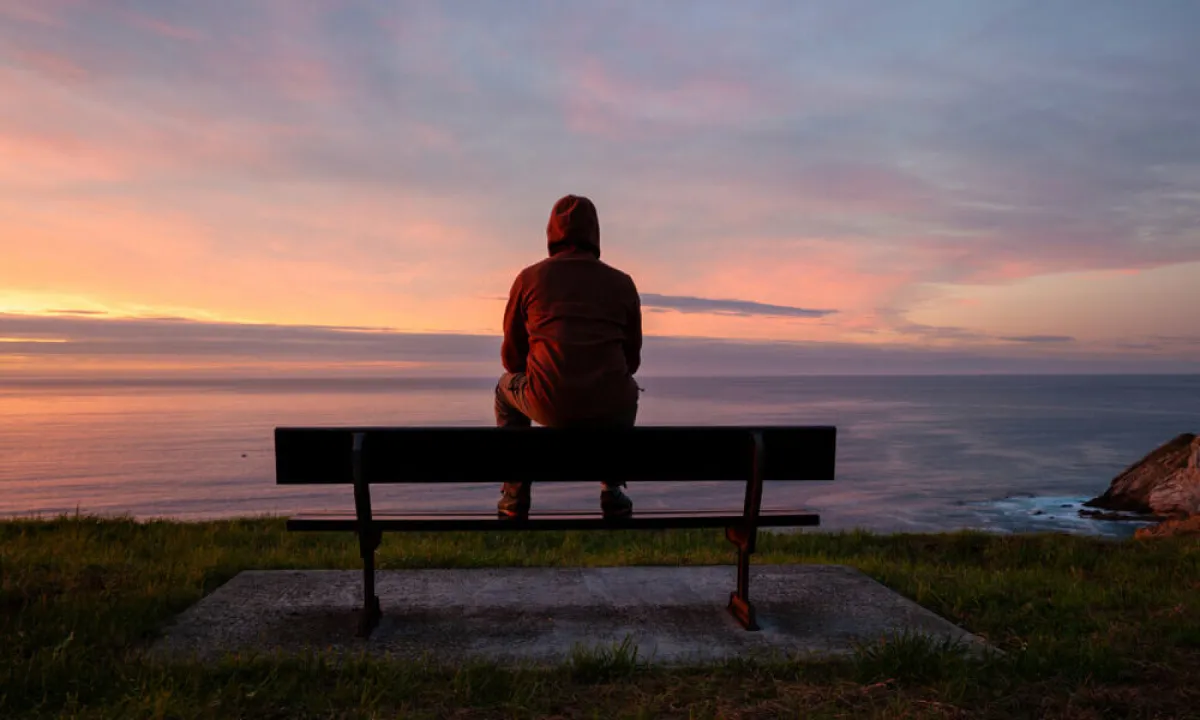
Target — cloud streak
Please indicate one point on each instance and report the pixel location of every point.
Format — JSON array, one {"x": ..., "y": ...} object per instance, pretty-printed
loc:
[
  {"x": 1039, "y": 339},
  {"x": 743, "y": 308}
]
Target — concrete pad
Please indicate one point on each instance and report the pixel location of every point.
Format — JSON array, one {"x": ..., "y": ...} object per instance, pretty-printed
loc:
[{"x": 539, "y": 615}]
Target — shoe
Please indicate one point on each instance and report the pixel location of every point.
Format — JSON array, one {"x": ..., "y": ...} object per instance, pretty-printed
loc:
[
  {"x": 614, "y": 503},
  {"x": 514, "y": 501}
]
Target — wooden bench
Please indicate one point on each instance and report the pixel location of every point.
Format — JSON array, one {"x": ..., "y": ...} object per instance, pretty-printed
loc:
[{"x": 371, "y": 456}]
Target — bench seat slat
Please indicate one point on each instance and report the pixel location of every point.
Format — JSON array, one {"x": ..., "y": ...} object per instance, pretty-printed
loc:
[
  {"x": 322, "y": 456},
  {"x": 421, "y": 522}
]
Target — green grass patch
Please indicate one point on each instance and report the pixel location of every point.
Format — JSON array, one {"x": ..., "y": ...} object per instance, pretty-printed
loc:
[{"x": 1089, "y": 627}]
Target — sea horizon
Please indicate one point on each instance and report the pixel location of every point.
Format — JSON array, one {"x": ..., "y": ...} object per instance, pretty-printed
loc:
[
  {"x": 1005, "y": 453},
  {"x": 199, "y": 380}
]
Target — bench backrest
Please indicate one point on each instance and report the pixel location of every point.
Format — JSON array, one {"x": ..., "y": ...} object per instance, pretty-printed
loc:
[{"x": 309, "y": 456}]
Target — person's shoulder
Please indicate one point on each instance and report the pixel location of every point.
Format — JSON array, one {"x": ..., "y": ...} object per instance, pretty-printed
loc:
[
  {"x": 524, "y": 279},
  {"x": 534, "y": 269},
  {"x": 539, "y": 273},
  {"x": 621, "y": 276},
  {"x": 619, "y": 272}
]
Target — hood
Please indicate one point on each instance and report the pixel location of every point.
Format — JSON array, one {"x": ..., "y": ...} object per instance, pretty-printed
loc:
[{"x": 573, "y": 224}]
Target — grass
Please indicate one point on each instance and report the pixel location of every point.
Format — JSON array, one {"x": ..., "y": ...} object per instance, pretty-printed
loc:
[{"x": 1091, "y": 628}]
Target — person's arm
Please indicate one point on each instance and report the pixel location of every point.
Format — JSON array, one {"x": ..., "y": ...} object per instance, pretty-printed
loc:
[
  {"x": 633, "y": 332},
  {"x": 515, "y": 348}
]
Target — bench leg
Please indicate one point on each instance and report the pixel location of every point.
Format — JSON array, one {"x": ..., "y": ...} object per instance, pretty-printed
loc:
[
  {"x": 371, "y": 612},
  {"x": 739, "y": 601},
  {"x": 744, "y": 536}
]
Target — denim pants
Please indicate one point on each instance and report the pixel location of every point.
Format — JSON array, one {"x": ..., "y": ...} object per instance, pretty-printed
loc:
[{"x": 514, "y": 409}]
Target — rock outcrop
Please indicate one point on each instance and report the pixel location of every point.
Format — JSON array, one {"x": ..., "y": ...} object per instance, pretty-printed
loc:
[{"x": 1165, "y": 483}]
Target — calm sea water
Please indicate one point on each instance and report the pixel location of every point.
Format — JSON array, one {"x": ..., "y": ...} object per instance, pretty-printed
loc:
[{"x": 1005, "y": 453}]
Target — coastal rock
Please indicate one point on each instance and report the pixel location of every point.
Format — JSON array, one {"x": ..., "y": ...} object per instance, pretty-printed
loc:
[
  {"x": 1178, "y": 495},
  {"x": 1166, "y": 482},
  {"x": 1181, "y": 526}
]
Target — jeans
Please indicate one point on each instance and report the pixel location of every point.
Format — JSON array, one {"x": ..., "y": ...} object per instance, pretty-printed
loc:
[{"x": 514, "y": 409}]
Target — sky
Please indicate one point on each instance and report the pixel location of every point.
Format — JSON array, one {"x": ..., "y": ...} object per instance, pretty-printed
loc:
[{"x": 338, "y": 186}]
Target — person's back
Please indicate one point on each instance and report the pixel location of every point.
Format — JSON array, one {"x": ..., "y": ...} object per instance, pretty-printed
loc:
[
  {"x": 571, "y": 329},
  {"x": 572, "y": 341}
]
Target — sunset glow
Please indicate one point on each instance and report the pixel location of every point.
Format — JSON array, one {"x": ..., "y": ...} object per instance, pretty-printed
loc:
[{"x": 967, "y": 178}]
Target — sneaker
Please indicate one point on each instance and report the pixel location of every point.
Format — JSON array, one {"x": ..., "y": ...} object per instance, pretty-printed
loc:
[
  {"x": 614, "y": 503},
  {"x": 514, "y": 501}
]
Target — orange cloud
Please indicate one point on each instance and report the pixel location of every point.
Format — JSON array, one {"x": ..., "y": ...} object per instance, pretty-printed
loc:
[
  {"x": 313, "y": 256},
  {"x": 48, "y": 161}
]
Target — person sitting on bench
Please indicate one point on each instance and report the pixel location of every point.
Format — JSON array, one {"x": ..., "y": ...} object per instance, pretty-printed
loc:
[{"x": 572, "y": 343}]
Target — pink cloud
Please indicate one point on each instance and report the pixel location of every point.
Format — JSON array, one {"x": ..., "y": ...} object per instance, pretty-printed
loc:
[
  {"x": 862, "y": 187},
  {"x": 279, "y": 51},
  {"x": 162, "y": 28},
  {"x": 54, "y": 136},
  {"x": 55, "y": 66},
  {"x": 803, "y": 272},
  {"x": 106, "y": 148},
  {"x": 432, "y": 137},
  {"x": 597, "y": 100},
  {"x": 288, "y": 60},
  {"x": 902, "y": 222},
  {"x": 308, "y": 79},
  {"x": 421, "y": 35},
  {"x": 33, "y": 161},
  {"x": 40, "y": 12},
  {"x": 1008, "y": 254}
]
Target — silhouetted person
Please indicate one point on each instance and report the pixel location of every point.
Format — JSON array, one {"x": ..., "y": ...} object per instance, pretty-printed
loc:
[{"x": 572, "y": 342}]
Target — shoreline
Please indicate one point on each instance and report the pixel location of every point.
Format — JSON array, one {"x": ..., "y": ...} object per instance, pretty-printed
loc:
[{"x": 1075, "y": 523}]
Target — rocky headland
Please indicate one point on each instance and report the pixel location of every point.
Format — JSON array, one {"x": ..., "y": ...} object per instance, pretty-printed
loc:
[{"x": 1163, "y": 486}]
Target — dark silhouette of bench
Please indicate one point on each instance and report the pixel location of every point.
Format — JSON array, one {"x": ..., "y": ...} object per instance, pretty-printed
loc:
[{"x": 371, "y": 456}]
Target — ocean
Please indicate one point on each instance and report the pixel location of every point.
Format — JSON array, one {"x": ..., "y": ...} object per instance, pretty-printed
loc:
[{"x": 924, "y": 453}]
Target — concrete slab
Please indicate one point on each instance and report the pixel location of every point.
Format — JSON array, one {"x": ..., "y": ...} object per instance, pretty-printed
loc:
[{"x": 673, "y": 614}]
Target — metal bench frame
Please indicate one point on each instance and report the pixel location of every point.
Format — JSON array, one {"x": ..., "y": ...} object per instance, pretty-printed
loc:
[{"x": 741, "y": 531}]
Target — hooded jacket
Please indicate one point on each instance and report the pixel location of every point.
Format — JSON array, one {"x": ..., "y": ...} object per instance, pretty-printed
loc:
[{"x": 573, "y": 324}]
